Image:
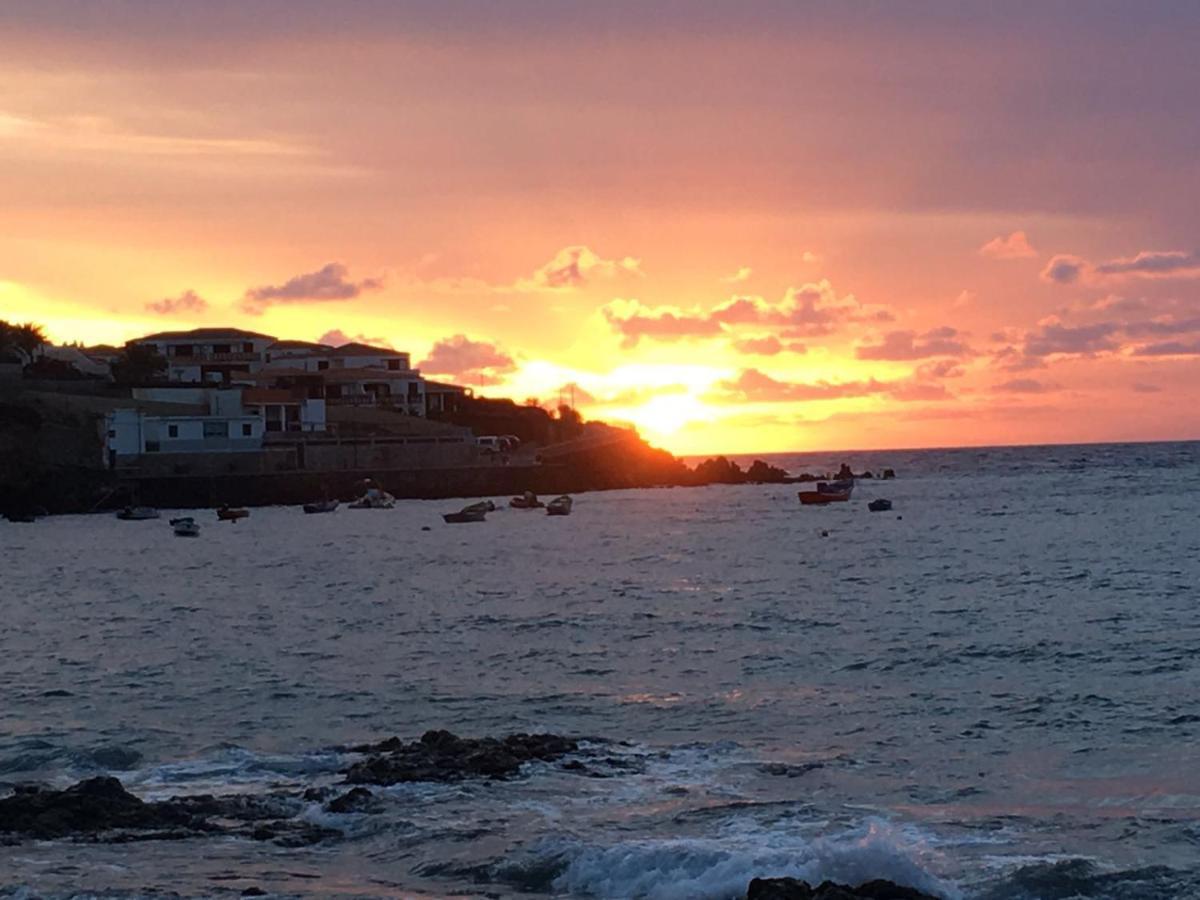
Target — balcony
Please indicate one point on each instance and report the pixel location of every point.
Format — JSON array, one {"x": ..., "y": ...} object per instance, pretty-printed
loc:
[{"x": 358, "y": 400}]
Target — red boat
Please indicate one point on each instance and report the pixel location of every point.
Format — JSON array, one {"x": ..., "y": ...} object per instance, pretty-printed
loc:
[{"x": 832, "y": 492}]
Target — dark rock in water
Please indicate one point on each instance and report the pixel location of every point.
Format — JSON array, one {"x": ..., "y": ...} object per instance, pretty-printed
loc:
[
  {"x": 889, "y": 473},
  {"x": 101, "y": 809},
  {"x": 442, "y": 756},
  {"x": 787, "y": 770},
  {"x": 91, "y": 806},
  {"x": 793, "y": 889},
  {"x": 760, "y": 471},
  {"x": 355, "y": 800}
]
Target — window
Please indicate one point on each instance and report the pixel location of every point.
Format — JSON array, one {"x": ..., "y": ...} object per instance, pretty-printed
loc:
[
  {"x": 247, "y": 429},
  {"x": 181, "y": 350},
  {"x": 414, "y": 390},
  {"x": 322, "y": 365},
  {"x": 220, "y": 348},
  {"x": 394, "y": 365},
  {"x": 216, "y": 429},
  {"x": 247, "y": 347},
  {"x": 151, "y": 446},
  {"x": 172, "y": 431}
]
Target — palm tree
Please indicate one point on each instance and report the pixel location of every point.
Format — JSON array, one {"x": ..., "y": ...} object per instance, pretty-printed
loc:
[
  {"x": 27, "y": 339},
  {"x": 30, "y": 339}
]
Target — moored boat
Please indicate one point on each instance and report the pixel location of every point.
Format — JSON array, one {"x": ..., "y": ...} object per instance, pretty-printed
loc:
[
  {"x": 228, "y": 514},
  {"x": 186, "y": 527},
  {"x": 827, "y": 492},
  {"x": 559, "y": 506},
  {"x": 137, "y": 513},
  {"x": 528, "y": 500},
  {"x": 324, "y": 506},
  {"x": 880, "y": 505},
  {"x": 473, "y": 513},
  {"x": 374, "y": 497}
]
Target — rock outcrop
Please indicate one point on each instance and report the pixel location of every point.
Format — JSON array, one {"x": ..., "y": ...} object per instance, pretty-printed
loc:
[
  {"x": 442, "y": 756},
  {"x": 101, "y": 809},
  {"x": 793, "y": 889}
]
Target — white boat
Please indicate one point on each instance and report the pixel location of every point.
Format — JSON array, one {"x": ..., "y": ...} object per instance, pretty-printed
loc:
[
  {"x": 374, "y": 498},
  {"x": 137, "y": 513}
]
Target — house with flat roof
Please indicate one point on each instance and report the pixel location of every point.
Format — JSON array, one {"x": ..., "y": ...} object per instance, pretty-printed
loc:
[{"x": 209, "y": 355}]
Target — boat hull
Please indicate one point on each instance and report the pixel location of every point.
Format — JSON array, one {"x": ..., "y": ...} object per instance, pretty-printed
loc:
[{"x": 820, "y": 498}]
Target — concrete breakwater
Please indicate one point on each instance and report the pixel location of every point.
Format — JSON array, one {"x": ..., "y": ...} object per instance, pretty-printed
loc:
[{"x": 284, "y": 488}]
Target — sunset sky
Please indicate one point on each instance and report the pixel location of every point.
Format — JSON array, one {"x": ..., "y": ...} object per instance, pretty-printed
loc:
[{"x": 741, "y": 226}]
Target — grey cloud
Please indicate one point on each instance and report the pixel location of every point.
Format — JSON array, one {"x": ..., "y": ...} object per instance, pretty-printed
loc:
[
  {"x": 1063, "y": 269},
  {"x": 1153, "y": 263},
  {"x": 475, "y": 362},
  {"x": 330, "y": 282},
  {"x": 907, "y": 345},
  {"x": 1057, "y": 338},
  {"x": 1169, "y": 348},
  {"x": 188, "y": 301}
]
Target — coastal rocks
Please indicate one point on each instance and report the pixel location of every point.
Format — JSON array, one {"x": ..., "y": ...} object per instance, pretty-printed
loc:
[
  {"x": 101, "y": 809},
  {"x": 443, "y": 757},
  {"x": 87, "y": 808},
  {"x": 355, "y": 800},
  {"x": 793, "y": 889}
]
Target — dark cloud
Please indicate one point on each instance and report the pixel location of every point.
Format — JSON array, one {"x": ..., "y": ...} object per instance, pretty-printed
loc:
[
  {"x": 1078, "y": 339},
  {"x": 663, "y": 325},
  {"x": 908, "y": 345},
  {"x": 943, "y": 368},
  {"x": 473, "y": 362},
  {"x": 187, "y": 302},
  {"x": 1162, "y": 327},
  {"x": 1064, "y": 269},
  {"x": 1154, "y": 263},
  {"x": 810, "y": 310},
  {"x": 1169, "y": 348},
  {"x": 330, "y": 282},
  {"x": 754, "y": 386}
]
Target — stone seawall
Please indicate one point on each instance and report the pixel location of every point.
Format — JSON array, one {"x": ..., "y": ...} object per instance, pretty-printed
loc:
[{"x": 267, "y": 489}]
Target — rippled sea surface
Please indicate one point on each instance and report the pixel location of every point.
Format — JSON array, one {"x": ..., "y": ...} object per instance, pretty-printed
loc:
[{"x": 992, "y": 691}]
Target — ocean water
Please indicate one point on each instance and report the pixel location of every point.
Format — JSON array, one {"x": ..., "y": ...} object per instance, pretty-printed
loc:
[{"x": 991, "y": 692}]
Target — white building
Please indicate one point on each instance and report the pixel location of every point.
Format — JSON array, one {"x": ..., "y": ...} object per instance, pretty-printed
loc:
[
  {"x": 225, "y": 421},
  {"x": 209, "y": 355}
]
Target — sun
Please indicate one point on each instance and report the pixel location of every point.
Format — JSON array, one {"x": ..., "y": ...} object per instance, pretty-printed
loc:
[{"x": 666, "y": 414}]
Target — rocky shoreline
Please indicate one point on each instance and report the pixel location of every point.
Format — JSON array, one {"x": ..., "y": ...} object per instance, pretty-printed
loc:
[{"x": 102, "y": 810}]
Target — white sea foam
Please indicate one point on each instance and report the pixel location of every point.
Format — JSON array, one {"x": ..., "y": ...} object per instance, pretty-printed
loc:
[{"x": 719, "y": 868}]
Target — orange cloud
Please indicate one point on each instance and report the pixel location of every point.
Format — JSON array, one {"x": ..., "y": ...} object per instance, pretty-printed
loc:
[{"x": 1011, "y": 246}]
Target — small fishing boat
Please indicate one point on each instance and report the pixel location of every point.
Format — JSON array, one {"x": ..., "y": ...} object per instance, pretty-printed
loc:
[
  {"x": 473, "y": 513},
  {"x": 485, "y": 506},
  {"x": 528, "y": 500},
  {"x": 137, "y": 513},
  {"x": 559, "y": 506},
  {"x": 827, "y": 492},
  {"x": 374, "y": 497},
  {"x": 186, "y": 527},
  {"x": 227, "y": 514},
  {"x": 879, "y": 505},
  {"x": 324, "y": 506}
]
